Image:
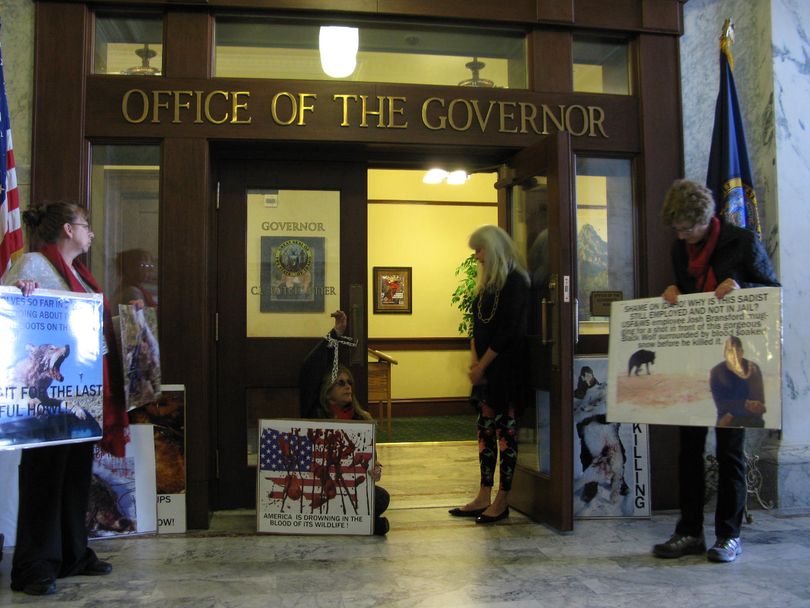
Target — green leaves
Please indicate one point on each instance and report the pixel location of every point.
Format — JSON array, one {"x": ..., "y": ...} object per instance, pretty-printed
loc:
[{"x": 464, "y": 293}]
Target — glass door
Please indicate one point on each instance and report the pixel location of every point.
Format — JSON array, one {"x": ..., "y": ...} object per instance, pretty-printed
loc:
[
  {"x": 535, "y": 189},
  {"x": 291, "y": 241}
]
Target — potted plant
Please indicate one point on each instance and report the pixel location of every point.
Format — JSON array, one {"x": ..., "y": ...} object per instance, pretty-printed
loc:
[{"x": 464, "y": 293}]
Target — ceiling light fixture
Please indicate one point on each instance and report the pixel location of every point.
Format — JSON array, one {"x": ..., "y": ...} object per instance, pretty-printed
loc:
[
  {"x": 453, "y": 178},
  {"x": 338, "y": 46}
]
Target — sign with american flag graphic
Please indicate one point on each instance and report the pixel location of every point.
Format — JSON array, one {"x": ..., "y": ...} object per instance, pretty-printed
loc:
[{"x": 314, "y": 477}]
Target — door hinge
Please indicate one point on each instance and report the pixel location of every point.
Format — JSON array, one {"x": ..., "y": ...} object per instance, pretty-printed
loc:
[
  {"x": 216, "y": 327},
  {"x": 216, "y": 464},
  {"x": 217, "y": 195}
]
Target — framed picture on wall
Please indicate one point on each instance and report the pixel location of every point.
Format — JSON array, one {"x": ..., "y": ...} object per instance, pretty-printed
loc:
[{"x": 393, "y": 289}]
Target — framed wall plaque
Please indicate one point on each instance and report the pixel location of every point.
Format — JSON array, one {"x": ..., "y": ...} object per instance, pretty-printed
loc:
[{"x": 393, "y": 289}]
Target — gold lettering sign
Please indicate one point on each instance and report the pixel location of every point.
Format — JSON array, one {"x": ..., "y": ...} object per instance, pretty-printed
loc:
[{"x": 290, "y": 109}]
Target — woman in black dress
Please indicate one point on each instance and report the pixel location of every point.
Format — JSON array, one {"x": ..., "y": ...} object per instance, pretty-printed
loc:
[{"x": 496, "y": 348}]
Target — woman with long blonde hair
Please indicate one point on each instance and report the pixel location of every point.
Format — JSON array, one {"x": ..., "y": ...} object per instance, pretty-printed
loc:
[{"x": 496, "y": 350}]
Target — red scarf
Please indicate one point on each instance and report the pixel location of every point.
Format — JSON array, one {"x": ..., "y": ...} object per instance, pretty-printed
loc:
[
  {"x": 700, "y": 256},
  {"x": 116, "y": 422},
  {"x": 342, "y": 412}
]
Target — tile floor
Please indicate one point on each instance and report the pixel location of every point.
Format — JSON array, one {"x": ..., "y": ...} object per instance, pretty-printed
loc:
[{"x": 430, "y": 559}]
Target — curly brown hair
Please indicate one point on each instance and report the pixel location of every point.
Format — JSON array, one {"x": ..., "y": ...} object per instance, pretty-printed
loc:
[{"x": 687, "y": 202}]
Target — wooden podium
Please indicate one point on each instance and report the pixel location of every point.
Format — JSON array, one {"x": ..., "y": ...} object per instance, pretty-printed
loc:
[{"x": 379, "y": 385}]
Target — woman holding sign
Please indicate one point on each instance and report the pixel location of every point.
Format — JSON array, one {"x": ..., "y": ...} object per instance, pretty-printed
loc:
[
  {"x": 55, "y": 479},
  {"x": 710, "y": 256}
]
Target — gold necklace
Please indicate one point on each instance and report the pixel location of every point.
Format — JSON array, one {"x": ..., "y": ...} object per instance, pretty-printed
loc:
[{"x": 491, "y": 312}]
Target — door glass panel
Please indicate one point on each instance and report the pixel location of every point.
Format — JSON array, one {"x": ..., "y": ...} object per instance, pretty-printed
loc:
[
  {"x": 605, "y": 239},
  {"x": 293, "y": 262},
  {"x": 124, "y": 203},
  {"x": 528, "y": 208},
  {"x": 128, "y": 45},
  {"x": 601, "y": 66}
]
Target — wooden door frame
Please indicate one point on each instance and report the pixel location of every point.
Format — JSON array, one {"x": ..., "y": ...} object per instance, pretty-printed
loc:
[{"x": 232, "y": 478}]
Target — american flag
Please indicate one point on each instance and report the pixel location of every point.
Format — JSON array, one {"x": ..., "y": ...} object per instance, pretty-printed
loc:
[
  {"x": 11, "y": 237},
  {"x": 317, "y": 466}
]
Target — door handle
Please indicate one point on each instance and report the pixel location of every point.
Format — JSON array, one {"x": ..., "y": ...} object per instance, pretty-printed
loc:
[{"x": 545, "y": 321}]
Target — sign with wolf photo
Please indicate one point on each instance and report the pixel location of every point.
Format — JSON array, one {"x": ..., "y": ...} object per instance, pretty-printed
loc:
[
  {"x": 611, "y": 459},
  {"x": 314, "y": 477},
  {"x": 166, "y": 416},
  {"x": 141, "y": 354},
  {"x": 51, "y": 368},
  {"x": 292, "y": 275},
  {"x": 701, "y": 362}
]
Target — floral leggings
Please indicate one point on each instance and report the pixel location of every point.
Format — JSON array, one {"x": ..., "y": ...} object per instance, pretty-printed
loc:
[{"x": 497, "y": 428}]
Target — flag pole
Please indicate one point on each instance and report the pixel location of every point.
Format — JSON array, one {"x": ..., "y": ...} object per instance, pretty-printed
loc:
[{"x": 726, "y": 40}]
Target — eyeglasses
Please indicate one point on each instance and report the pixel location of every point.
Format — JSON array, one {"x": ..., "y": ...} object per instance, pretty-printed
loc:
[
  {"x": 343, "y": 382},
  {"x": 89, "y": 229},
  {"x": 685, "y": 230}
]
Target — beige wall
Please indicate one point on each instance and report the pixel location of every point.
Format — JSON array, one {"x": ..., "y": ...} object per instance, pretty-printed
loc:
[{"x": 425, "y": 227}]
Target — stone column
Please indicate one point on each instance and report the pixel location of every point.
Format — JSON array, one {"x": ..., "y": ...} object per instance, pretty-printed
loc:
[{"x": 770, "y": 56}]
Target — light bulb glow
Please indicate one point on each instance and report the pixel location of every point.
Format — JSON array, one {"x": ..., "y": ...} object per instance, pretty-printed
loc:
[
  {"x": 434, "y": 176},
  {"x": 456, "y": 178},
  {"x": 338, "y": 46}
]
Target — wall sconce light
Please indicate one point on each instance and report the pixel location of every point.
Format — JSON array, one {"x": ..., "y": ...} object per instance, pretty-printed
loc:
[
  {"x": 338, "y": 46},
  {"x": 437, "y": 176}
]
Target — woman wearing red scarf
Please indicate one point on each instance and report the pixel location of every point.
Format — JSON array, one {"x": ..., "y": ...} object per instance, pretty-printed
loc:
[
  {"x": 327, "y": 391},
  {"x": 55, "y": 480},
  {"x": 710, "y": 256}
]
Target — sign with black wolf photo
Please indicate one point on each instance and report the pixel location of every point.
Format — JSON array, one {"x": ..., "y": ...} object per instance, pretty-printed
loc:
[
  {"x": 314, "y": 477},
  {"x": 51, "y": 374},
  {"x": 611, "y": 459},
  {"x": 700, "y": 362}
]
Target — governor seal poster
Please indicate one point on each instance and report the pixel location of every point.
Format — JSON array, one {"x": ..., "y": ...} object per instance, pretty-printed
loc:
[
  {"x": 51, "y": 368},
  {"x": 314, "y": 477},
  {"x": 701, "y": 362}
]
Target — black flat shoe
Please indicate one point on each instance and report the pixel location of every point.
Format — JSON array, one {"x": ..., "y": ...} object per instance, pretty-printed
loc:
[
  {"x": 45, "y": 586},
  {"x": 459, "y": 512},
  {"x": 491, "y": 519},
  {"x": 96, "y": 568}
]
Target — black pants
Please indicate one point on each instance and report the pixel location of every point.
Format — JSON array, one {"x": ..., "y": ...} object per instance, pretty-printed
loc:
[
  {"x": 51, "y": 529},
  {"x": 731, "y": 489}
]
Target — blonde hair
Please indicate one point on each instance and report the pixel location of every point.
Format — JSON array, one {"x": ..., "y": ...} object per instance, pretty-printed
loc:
[
  {"x": 501, "y": 256},
  {"x": 327, "y": 384}
]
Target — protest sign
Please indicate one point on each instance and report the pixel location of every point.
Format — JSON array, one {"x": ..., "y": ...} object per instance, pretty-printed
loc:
[
  {"x": 51, "y": 367},
  {"x": 314, "y": 477},
  {"x": 611, "y": 459},
  {"x": 701, "y": 362}
]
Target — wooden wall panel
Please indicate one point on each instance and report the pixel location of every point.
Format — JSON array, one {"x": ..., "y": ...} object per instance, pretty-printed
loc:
[
  {"x": 186, "y": 290},
  {"x": 187, "y": 35},
  {"x": 59, "y": 151},
  {"x": 552, "y": 61},
  {"x": 661, "y": 134}
]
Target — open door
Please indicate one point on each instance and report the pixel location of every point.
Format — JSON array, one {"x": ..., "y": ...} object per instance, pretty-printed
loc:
[
  {"x": 291, "y": 249},
  {"x": 535, "y": 189}
]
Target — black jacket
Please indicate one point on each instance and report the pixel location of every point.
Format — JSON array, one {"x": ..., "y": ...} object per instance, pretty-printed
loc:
[{"x": 738, "y": 255}]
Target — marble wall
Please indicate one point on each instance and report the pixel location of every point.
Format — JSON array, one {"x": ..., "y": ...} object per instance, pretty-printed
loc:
[
  {"x": 772, "y": 73},
  {"x": 17, "y": 40}
]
